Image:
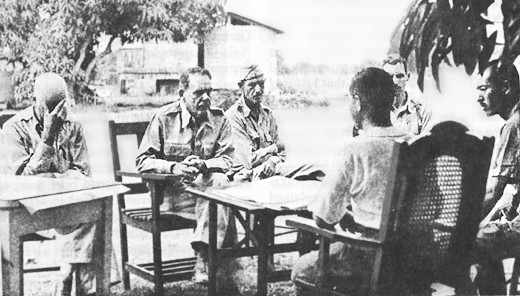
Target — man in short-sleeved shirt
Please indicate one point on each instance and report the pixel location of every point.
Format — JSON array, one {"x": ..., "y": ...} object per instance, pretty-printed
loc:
[
  {"x": 499, "y": 94},
  {"x": 353, "y": 194}
]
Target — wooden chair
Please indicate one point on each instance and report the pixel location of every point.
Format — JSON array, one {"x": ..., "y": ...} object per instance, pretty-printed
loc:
[
  {"x": 148, "y": 219},
  {"x": 4, "y": 118},
  {"x": 429, "y": 223}
]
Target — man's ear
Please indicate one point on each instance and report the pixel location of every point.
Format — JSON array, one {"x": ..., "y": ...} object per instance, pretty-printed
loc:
[
  {"x": 506, "y": 87},
  {"x": 356, "y": 103},
  {"x": 181, "y": 92}
]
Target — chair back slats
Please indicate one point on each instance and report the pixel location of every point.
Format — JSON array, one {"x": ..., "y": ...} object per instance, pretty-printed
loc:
[
  {"x": 438, "y": 220},
  {"x": 121, "y": 129},
  {"x": 4, "y": 118}
]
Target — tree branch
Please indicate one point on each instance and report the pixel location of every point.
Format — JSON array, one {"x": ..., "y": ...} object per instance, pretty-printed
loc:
[
  {"x": 97, "y": 58},
  {"x": 82, "y": 54}
]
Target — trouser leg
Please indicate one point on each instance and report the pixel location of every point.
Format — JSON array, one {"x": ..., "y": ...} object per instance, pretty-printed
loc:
[
  {"x": 226, "y": 231},
  {"x": 495, "y": 241}
]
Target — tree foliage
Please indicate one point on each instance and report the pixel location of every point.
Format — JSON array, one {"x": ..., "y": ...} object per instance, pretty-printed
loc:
[
  {"x": 60, "y": 35},
  {"x": 434, "y": 29}
]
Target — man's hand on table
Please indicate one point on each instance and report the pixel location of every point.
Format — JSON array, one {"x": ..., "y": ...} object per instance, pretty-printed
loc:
[
  {"x": 196, "y": 162},
  {"x": 266, "y": 170},
  {"x": 188, "y": 173},
  {"x": 189, "y": 168}
]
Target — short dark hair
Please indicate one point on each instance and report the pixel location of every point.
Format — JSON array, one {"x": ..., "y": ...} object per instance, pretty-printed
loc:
[
  {"x": 376, "y": 91},
  {"x": 394, "y": 59},
  {"x": 184, "y": 81},
  {"x": 501, "y": 74}
]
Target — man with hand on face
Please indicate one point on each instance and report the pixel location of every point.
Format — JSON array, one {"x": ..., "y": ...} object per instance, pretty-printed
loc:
[
  {"x": 407, "y": 114},
  {"x": 255, "y": 135},
  {"x": 191, "y": 139},
  {"x": 42, "y": 141}
]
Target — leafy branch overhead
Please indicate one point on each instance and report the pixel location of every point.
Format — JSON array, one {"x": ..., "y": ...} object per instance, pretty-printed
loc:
[
  {"x": 60, "y": 35},
  {"x": 432, "y": 30}
]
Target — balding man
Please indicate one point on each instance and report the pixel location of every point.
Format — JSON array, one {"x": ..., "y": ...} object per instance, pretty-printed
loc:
[{"x": 42, "y": 141}]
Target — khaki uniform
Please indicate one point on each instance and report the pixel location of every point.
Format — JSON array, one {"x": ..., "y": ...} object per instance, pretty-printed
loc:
[
  {"x": 411, "y": 118},
  {"x": 255, "y": 143},
  {"x": 173, "y": 135},
  {"x": 25, "y": 154}
]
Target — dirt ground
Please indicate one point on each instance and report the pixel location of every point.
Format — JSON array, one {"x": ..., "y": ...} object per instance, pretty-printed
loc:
[{"x": 312, "y": 135}]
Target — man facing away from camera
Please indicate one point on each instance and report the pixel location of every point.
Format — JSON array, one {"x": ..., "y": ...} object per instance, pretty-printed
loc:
[
  {"x": 191, "y": 139},
  {"x": 258, "y": 147},
  {"x": 42, "y": 141},
  {"x": 352, "y": 194}
]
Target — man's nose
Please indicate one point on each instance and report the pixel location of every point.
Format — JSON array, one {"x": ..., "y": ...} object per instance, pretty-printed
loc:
[
  {"x": 258, "y": 88},
  {"x": 205, "y": 97}
]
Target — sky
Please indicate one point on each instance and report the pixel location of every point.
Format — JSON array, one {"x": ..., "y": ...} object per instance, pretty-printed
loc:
[{"x": 327, "y": 32}]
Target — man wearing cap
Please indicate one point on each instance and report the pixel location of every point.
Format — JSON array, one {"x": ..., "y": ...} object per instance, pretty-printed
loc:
[
  {"x": 42, "y": 141},
  {"x": 191, "y": 139},
  {"x": 255, "y": 135}
]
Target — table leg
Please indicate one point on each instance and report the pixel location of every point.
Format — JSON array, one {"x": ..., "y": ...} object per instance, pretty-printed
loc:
[
  {"x": 263, "y": 254},
  {"x": 212, "y": 249},
  {"x": 12, "y": 257},
  {"x": 103, "y": 248}
]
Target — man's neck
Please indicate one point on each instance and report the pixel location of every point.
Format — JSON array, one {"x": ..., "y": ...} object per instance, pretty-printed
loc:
[
  {"x": 506, "y": 114},
  {"x": 400, "y": 99},
  {"x": 368, "y": 124},
  {"x": 254, "y": 108}
]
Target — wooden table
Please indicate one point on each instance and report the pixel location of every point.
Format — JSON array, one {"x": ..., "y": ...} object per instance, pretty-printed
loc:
[
  {"x": 260, "y": 235},
  {"x": 29, "y": 204}
]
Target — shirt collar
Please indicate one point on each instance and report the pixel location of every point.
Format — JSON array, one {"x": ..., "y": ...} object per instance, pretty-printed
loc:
[
  {"x": 245, "y": 109},
  {"x": 516, "y": 109},
  {"x": 390, "y": 131},
  {"x": 186, "y": 117},
  {"x": 404, "y": 107}
]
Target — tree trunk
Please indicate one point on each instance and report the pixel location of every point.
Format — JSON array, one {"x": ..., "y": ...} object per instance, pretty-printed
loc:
[
  {"x": 107, "y": 51},
  {"x": 82, "y": 54}
]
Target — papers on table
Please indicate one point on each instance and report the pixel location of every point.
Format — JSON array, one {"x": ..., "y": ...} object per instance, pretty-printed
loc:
[{"x": 275, "y": 192}]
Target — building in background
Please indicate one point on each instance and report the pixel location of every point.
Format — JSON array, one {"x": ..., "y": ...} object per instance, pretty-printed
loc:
[{"x": 155, "y": 68}]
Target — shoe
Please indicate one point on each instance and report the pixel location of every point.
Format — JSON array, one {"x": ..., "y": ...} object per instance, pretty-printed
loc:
[{"x": 200, "y": 273}]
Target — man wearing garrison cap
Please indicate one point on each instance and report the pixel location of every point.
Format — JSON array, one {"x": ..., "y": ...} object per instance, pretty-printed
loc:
[
  {"x": 255, "y": 135},
  {"x": 42, "y": 141}
]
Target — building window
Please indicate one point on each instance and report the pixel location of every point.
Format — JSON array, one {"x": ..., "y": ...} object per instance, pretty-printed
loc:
[{"x": 166, "y": 86}]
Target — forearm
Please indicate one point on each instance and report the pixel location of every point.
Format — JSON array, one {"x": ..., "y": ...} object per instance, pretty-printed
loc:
[
  {"x": 220, "y": 164},
  {"x": 263, "y": 154},
  {"x": 150, "y": 164},
  {"x": 322, "y": 224},
  {"x": 40, "y": 161},
  {"x": 494, "y": 191}
]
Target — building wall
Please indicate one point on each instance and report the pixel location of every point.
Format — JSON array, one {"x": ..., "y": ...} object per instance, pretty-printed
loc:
[
  {"x": 227, "y": 50},
  {"x": 141, "y": 65}
]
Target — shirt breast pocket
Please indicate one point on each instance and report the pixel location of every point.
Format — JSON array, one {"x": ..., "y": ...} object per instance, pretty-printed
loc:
[{"x": 176, "y": 151}]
